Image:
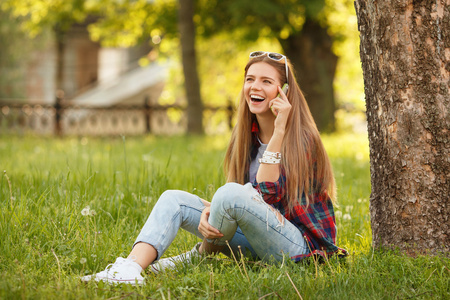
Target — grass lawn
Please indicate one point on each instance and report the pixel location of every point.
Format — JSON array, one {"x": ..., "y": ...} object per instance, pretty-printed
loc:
[{"x": 47, "y": 243}]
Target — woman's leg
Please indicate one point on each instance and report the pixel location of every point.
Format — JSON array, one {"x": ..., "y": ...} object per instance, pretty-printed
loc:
[
  {"x": 268, "y": 233},
  {"x": 174, "y": 210},
  {"x": 143, "y": 254}
]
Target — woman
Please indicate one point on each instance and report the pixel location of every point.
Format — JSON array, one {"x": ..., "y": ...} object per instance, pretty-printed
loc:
[{"x": 280, "y": 191}]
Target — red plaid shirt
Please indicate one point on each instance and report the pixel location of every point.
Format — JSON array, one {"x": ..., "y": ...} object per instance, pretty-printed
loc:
[{"x": 316, "y": 221}]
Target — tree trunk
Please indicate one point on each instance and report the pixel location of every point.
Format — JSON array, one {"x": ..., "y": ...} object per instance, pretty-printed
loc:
[
  {"x": 311, "y": 54},
  {"x": 189, "y": 60},
  {"x": 405, "y": 53},
  {"x": 60, "y": 53},
  {"x": 60, "y": 65}
]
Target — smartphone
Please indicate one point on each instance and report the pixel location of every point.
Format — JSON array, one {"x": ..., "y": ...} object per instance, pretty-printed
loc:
[{"x": 285, "y": 89}]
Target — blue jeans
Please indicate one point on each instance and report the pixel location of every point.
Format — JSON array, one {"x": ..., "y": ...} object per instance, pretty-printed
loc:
[{"x": 237, "y": 211}]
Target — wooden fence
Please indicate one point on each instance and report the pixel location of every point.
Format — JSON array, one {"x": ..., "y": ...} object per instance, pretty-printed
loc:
[{"x": 65, "y": 118}]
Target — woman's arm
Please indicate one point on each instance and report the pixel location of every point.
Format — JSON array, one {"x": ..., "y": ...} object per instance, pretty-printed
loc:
[
  {"x": 271, "y": 172},
  {"x": 208, "y": 231},
  {"x": 205, "y": 203},
  {"x": 281, "y": 107}
]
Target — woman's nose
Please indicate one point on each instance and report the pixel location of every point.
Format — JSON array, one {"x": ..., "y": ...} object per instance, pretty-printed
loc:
[{"x": 256, "y": 85}]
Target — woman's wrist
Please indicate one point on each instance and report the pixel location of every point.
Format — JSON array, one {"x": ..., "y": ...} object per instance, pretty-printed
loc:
[
  {"x": 279, "y": 132},
  {"x": 276, "y": 141}
]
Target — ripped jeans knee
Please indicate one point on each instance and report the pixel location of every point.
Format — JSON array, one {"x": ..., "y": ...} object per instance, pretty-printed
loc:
[
  {"x": 265, "y": 228},
  {"x": 270, "y": 209}
]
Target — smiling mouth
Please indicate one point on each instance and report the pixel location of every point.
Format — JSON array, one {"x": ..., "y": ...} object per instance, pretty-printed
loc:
[{"x": 257, "y": 99}]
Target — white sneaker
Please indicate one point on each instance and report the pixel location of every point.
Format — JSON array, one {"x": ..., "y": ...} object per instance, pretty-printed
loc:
[
  {"x": 171, "y": 262},
  {"x": 124, "y": 270}
]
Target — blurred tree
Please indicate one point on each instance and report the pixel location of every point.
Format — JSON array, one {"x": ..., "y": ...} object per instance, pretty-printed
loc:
[
  {"x": 14, "y": 46},
  {"x": 125, "y": 23},
  {"x": 119, "y": 23},
  {"x": 405, "y": 49},
  {"x": 38, "y": 15},
  {"x": 189, "y": 58},
  {"x": 302, "y": 29}
]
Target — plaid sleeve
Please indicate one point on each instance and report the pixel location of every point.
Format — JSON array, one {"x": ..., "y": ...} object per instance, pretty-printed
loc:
[{"x": 272, "y": 192}]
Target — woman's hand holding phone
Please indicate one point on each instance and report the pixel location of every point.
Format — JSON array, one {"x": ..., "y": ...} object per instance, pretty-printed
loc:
[
  {"x": 281, "y": 107},
  {"x": 283, "y": 91}
]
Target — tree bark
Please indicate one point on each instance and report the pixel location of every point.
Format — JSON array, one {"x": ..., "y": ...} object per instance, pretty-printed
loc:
[
  {"x": 189, "y": 60},
  {"x": 60, "y": 53},
  {"x": 311, "y": 54},
  {"x": 60, "y": 65},
  {"x": 405, "y": 53}
]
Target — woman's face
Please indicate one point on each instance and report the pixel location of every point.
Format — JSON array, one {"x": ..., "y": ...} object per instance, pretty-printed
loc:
[{"x": 260, "y": 87}]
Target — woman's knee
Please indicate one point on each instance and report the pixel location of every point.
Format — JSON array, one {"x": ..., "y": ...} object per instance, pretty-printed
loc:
[
  {"x": 177, "y": 198},
  {"x": 169, "y": 197},
  {"x": 231, "y": 193},
  {"x": 168, "y": 194}
]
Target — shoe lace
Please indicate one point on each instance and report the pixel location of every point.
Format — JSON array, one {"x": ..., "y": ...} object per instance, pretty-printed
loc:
[{"x": 111, "y": 267}]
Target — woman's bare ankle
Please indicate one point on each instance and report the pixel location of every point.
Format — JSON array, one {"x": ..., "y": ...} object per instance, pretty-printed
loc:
[
  {"x": 209, "y": 248},
  {"x": 143, "y": 254}
]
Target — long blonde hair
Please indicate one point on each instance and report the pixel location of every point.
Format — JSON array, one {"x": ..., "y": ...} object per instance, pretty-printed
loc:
[{"x": 304, "y": 159}]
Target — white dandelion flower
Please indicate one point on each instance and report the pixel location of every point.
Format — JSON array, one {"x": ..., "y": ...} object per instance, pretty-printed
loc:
[
  {"x": 338, "y": 214},
  {"x": 83, "y": 260},
  {"x": 92, "y": 212},
  {"x": 347, "y": 217},
  {"x": 85, "y": 211}
]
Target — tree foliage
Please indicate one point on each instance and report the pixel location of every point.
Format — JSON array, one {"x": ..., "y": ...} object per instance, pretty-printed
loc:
[
  {"x": 40, "y": 14},
  {"x": 125, "y": 23},
  {"x": 302, "y": 30},
  {"x": 237, "y": 26},
  {"x": 279, "y": 18}
]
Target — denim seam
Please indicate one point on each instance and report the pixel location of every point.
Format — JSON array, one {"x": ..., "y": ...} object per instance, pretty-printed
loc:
[{"x": 271, "y": 227}]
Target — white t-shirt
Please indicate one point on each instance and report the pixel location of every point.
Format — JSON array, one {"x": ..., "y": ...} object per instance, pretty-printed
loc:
[{"x": 254, "y": 164}]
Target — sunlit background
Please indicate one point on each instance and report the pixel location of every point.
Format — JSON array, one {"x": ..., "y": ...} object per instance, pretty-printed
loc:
[{"x": 109, "y": 52}]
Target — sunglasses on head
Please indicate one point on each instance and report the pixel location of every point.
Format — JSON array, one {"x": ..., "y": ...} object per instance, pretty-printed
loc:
[{"x": 272, "y": 55}]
